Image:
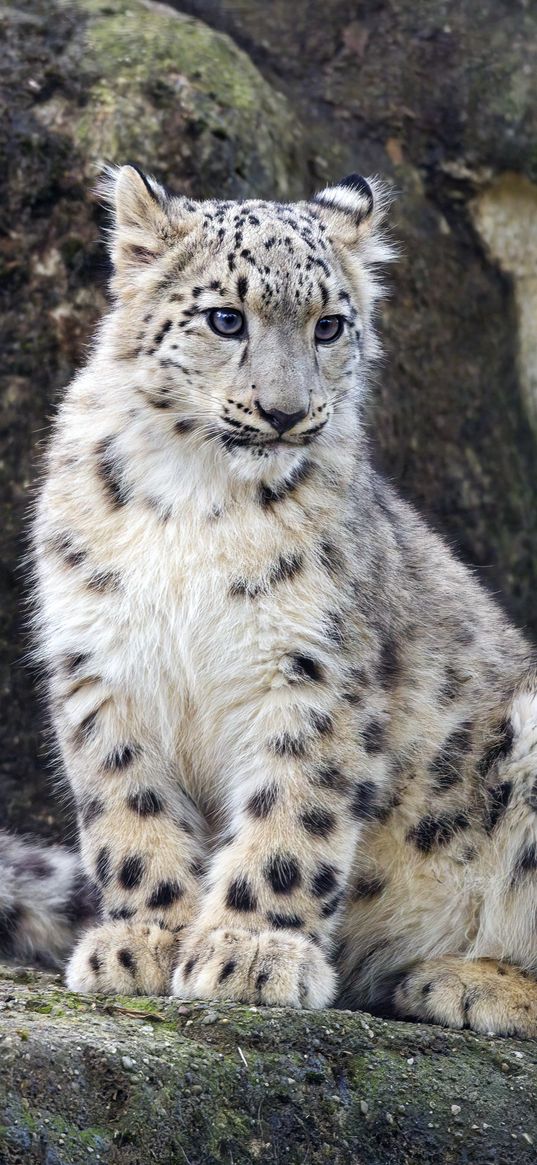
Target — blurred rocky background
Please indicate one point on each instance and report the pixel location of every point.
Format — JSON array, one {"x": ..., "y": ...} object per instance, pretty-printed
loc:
[{"x": 275, "y": 99}]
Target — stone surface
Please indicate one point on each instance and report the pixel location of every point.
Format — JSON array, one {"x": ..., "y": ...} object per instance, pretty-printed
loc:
[
  {"x": 505, "y": 214},
  {"x": 157, "y": 1082},
  {"x": 441, "y": 99}
]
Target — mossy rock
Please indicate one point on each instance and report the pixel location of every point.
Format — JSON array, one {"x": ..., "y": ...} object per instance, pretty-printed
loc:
[{"x": 158, "y": 1082}]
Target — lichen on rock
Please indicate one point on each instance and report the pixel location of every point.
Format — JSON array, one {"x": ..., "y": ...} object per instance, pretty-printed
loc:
[{"x": 138, "y": 1081}]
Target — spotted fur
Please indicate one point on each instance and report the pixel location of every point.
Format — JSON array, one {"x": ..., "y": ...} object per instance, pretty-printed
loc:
[{"x": 302, "y": 739}]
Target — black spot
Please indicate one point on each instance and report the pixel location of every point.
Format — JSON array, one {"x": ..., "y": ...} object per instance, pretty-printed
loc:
[
  {"x": 227, "y": 970},
  {"x": 109, "y": 473},
  {"x": 329, "y": 776},
  {"x": 262, "y": 979},
  {"x": 132, "y": 872},
  {"x": 189, "y": 966},
  {"x": 334, "y": 624},
  {"x": 330, "y": 907},
  {"x": 525, "y": 863},
  {"x": 242, "y": 287},
  {"x": 321, "y": 723},
  {"x": 85, "y": 730},
  {"x": 498, "y": 801},
  {"x": 104, "y": 580},
  {"x": 330, "y": 557},
  {"x": 161, "y": 333},
  {"x": 286, "y": 567},
  {"x": 71, "y": 663},
  {"x": 240, "y": 895},
  {"x": 446, "y": 767},
  {"x": 185, "y": 425},
  {"x": 95, "y": 962},
  {"x": 287, "y": 745},
  {"x": 452, "y": 686},
  {"x": 389, "y": 663},
  {"x": 241, "y": 588},
  {"x": 103, "y": 866},
  {"x": 146, "y": 802},
  {"x": 500, "y": 748},
  {"x": 262, "y": 802},
  {"x": 270, "y": 494},
  {"x": 283, "y": 873},
  {"x": 364, "y": 801},
  {"x": 437, "y": 831},
  {"x": 127, "y": 960},
  {"x": 75, "y": 557},
  {"x": 121, "y": 757},
  {"x": 91, "y": 810},
  {"x": 285, "y": 921},
  {"x": 368, "y": 887},
  {"x": 160, "y": 402},
  {"x": 165, "y": 894},
  {"x": 303, "y": 667},
  {"x": 319, "y": 822},
  {"x": 373, "y": 736},
  {"x": 325, "y": 880},
  {"x": 531, "y": 798},
  {"x": 123, "y": 914}
]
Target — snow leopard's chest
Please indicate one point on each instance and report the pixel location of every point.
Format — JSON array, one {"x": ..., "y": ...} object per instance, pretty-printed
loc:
[{"x": 214, "y": 608}]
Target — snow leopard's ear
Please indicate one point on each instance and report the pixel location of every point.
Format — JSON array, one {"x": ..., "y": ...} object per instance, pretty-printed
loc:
[
  {"x": 146, "y": 223},
  {"x": 354, "y": 211}
]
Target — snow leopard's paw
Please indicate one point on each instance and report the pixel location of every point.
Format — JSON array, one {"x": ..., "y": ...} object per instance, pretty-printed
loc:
[
  {"x": 271, "y": 968},
  {"x": 123, "y": 958},
  {"x": 484, "y": 995}
]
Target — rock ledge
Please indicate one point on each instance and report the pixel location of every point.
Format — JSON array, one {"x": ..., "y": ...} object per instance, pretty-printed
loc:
[{"x": 140, "y": 1081}]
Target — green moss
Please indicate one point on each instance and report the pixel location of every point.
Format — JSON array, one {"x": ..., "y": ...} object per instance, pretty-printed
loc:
[
  {"x": 324, "y": 1087},
  {"x": 157, "y": 76},
  {"x": 132, "y": 45}
]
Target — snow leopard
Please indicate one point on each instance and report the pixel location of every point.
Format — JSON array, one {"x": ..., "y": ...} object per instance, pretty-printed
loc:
[{"x": 300, "y": 736}]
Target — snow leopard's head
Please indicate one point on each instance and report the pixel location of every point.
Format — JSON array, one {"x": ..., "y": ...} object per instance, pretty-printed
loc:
[{"x": 248, "y": 323}]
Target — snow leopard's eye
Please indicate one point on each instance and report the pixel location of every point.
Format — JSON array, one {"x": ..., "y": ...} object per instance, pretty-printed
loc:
[
  {"x": 226, "y": 321},
  {"x": 328, "y": 329}
]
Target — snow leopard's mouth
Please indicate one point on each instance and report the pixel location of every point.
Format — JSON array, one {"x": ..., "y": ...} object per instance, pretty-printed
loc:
[{"x": 264, "y": 444}]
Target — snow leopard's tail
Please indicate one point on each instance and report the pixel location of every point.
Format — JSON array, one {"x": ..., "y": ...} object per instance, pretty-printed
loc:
[{"x": 45, "y": 900}]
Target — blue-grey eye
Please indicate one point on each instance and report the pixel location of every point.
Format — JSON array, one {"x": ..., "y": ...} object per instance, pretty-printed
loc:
[
  {"x": 226, "y": 321},
  {"x": 328, "y": 328}
]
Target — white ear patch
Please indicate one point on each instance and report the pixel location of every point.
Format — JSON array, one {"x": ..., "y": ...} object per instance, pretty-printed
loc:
[{"x": 353, "y": 195}]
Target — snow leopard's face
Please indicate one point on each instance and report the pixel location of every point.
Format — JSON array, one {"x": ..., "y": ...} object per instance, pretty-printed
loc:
[{"x": 248, "y": 323}]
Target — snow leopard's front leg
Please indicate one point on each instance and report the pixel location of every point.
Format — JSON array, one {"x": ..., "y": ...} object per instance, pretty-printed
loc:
[
  {"x": 275, "y": 888},
  {"x": 141, "y": 836}
]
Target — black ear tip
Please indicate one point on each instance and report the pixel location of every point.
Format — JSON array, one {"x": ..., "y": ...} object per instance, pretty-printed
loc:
[
  {"x": 145, "y": 180},
  {"x": 358, "y": 183}
]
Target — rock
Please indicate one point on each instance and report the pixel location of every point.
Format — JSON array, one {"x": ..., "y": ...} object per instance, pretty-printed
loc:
[
  {"x": 441, "y": 99},
  {"x": 505, "y": 214},
  {"x": 140, "y": 1081}
]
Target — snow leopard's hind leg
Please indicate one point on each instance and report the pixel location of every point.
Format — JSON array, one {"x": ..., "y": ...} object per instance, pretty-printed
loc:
[
  {"x": 45, "y": 901},
  {"x": 492, "y": 987}
]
